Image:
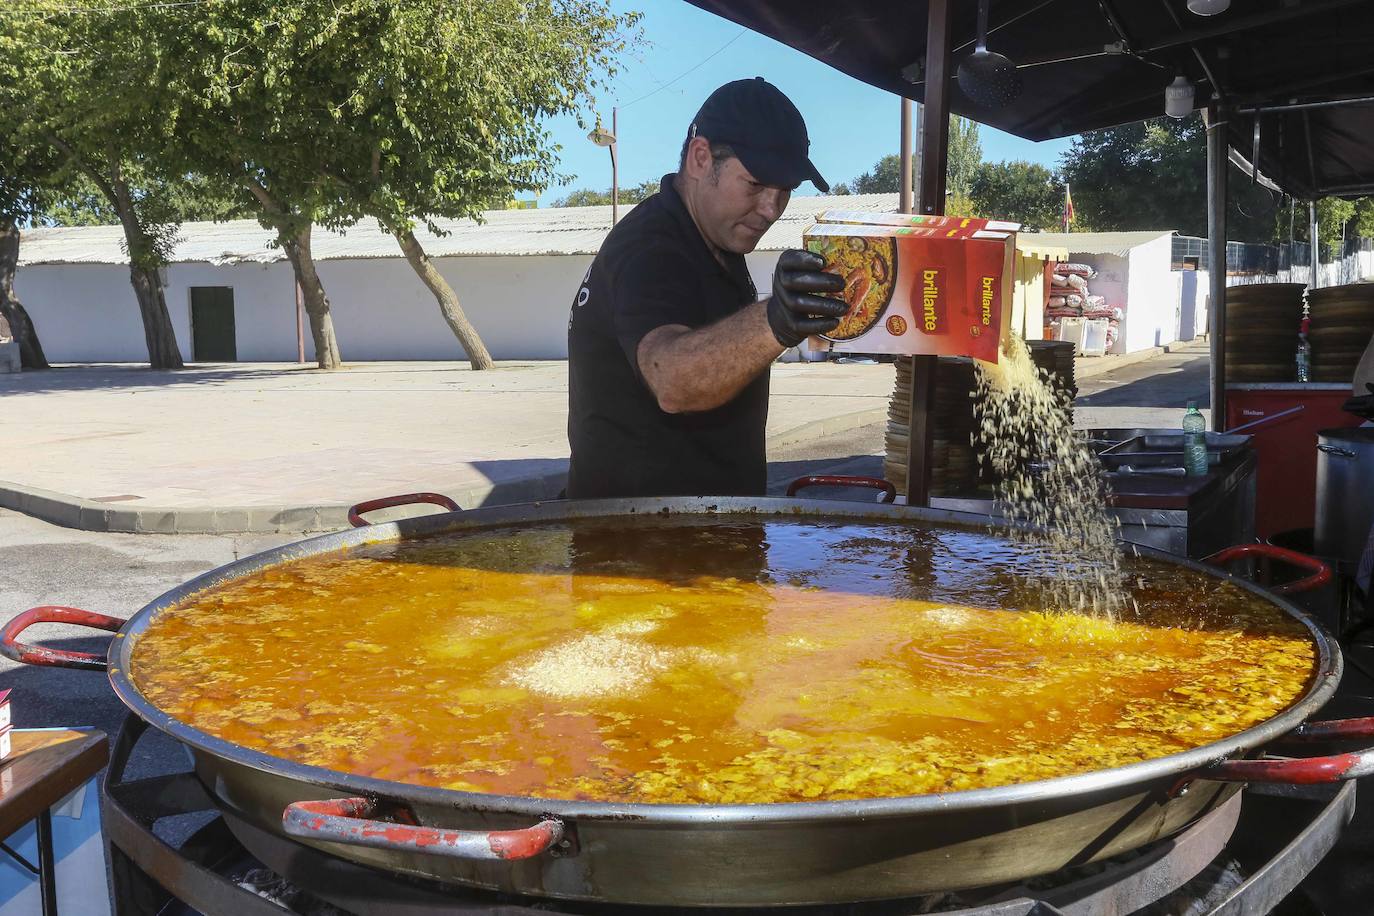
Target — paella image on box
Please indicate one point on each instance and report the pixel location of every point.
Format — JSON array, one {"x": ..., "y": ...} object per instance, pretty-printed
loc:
[{"x": 918, "y": 290}]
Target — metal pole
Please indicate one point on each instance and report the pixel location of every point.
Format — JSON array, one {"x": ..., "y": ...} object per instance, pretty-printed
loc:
[
  {"x": 934, "y": 159},
  {"x": 1216, "y": 258},
  {"x": 615, "y": 173},
  {"x": 1315, "y": 246},
  {"x": 47, "y": 865},
  {"x": 300, "y": 325},
  {"x": 904, "y": 188}
]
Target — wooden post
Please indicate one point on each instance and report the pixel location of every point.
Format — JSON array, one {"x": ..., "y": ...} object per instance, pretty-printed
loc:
[
  {"x": 1216, "y": 258},
  {"x": 934, "y": 161},
  {"x": 300, "y": 325}
]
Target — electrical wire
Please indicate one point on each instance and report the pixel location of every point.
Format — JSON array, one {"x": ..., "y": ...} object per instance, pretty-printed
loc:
[{"x": 690, "y": 70}]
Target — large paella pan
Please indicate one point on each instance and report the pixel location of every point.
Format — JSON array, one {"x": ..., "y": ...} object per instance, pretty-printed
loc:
[{"x": 712, "y": 701}]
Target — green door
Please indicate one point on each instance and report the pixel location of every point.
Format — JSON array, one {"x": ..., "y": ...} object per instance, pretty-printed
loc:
[{"x": 212, "y": 324}]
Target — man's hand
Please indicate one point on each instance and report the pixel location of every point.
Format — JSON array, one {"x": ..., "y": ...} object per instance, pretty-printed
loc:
[{"x": 794, "y": 311}]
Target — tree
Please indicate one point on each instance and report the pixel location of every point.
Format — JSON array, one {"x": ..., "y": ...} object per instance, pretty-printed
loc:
[
  {"x": 965, "y": 155},
  {"x": 1022, "y": 191},
  {"x": 190, "y": 198},
  {"x": 65, "y": 75},
  {"x": 23, "y": 195},
  {"x": 884, "y": 178},
  {"x": 416, "y": 110},
  {"x": 1364, "y": 217},
  {"x": 1153, "y": 175},
  {"x": 588, "y": 198}
]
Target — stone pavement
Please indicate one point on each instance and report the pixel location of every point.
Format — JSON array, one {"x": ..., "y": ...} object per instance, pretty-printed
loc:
[
  {"x": 278, "y": 447},
  {"x": 253, "y": 447}
]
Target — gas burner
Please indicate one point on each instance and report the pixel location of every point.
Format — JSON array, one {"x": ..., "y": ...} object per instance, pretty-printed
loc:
[{"x": 1239, "y": 858}]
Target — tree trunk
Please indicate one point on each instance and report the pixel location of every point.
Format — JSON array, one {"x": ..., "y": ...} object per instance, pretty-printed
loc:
[
  {"x": 447, "y": 298},
  {"x": 11, "y": 310},
  {"x": 158, "y": 334},
  {"x": 297, "y": 248}
]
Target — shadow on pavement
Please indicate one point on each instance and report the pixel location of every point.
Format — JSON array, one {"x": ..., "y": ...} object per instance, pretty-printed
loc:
[
  {"x": 92, "y": 377},
  {"x": 1163, "y": 388}
]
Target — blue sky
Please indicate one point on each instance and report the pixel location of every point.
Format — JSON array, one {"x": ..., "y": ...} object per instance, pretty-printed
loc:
[{"x": 851, "y": 124}]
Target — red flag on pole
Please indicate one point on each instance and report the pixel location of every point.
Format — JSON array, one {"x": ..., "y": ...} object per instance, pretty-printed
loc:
[{"x": 1067, "y": 220}]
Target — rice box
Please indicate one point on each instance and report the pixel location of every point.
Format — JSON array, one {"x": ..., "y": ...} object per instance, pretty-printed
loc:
[{"x": 918, "y": 290}]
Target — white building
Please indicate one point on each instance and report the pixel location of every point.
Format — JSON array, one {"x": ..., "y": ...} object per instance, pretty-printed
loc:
[
  {"x": 231, "y": 294},
  {"x": 515, "y": 275},
  {"x": 1134, "y": 272}
]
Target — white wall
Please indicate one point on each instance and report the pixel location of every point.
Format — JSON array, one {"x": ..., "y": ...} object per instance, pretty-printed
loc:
[
  {"x": 85, "y": 312},
  {"x": 1152, "y": 306},
  {"x": 381, "y": 310}
]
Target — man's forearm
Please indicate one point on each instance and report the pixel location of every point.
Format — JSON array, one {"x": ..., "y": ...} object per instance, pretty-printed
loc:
[{"x": 693, "y": 370}]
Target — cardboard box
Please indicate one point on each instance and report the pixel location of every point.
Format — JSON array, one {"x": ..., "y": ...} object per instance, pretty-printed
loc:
[
  {"x": 941, "y": 226},
  {"x": 5, "y": 716},
  {"x": 917, "y": 290}
]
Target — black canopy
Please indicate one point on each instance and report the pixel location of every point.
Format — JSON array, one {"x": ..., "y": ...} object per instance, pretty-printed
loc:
[{"x": 1088, "y": 64}]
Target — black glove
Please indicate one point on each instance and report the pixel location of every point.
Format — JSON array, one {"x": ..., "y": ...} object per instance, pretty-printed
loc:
[{"x": 794, "y": 313}]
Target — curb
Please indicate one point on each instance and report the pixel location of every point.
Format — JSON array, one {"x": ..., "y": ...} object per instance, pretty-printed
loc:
[{"x": 88, "y": 515}]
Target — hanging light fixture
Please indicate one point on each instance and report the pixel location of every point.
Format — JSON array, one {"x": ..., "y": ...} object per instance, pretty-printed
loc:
[
  {"x": 1208, "y": 7},
  {"x": 1178, "y": 97}
]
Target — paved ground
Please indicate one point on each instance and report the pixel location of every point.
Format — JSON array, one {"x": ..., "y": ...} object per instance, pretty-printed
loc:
[
  {"x": 272, "y": 447},
  {"x": 277, "y": 447}
]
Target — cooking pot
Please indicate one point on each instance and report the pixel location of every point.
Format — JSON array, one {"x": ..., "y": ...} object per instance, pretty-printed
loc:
[
  {"x": 713, "y": 855},
  {"x": 1345, "y": 493}
]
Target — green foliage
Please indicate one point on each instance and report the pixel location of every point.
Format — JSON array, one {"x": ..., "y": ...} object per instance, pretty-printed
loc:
[
  {"x": 397, "y": 109},
  {"x": 589, "y": 198},
  {"x": 189, "y": 198},
  {"x": 1146, "y": 175},
  {"x": 884, "y": 178},
  {"x": 1364, "y": 217},
  {"x": 965, "y": 154},
  {"x": 1332, "y": 215},
  {"x": 65, "y": 83},
  {"x": 1022, "y": 191}
]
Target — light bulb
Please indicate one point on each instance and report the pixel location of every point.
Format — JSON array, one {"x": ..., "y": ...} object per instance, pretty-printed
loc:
[
  {"x": 1178, "y": 97},
  {"x": 1208, "y": 7}
]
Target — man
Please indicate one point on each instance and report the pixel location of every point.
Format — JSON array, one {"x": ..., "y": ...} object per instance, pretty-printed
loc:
[{"x": 668, "y": 351}]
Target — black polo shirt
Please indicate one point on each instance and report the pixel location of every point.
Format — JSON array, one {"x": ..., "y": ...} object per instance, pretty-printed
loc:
[{"x": 654, "y": 269}]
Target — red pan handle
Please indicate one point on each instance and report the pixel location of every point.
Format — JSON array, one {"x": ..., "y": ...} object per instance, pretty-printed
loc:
[
  {"x": 350, "y": 821},
  {"x": 843, "y": 480},
  {"x": 1303, "y": 770},
  {"x": 14, "y": 650},
  {"x": 1321, "y": 573},
  {"x": 355, "y": 513}
]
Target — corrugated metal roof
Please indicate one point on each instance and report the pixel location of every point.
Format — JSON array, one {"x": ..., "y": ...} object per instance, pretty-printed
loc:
[
  {"x": 551, "y": 231},
  {"x": 1117, "y": 243},
  {"x": 1029, "y": 245}
]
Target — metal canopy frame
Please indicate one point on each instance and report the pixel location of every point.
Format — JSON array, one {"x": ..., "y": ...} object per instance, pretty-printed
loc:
[{"x": 1305, "y": 68}]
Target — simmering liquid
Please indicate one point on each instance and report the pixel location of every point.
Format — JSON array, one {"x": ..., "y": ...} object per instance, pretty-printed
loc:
[{"x": 688, "y": 659}]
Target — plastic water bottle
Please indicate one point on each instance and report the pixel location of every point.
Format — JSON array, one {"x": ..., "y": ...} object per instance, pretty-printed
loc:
[
  {"x": 1194, "y": 441},
  {"x": 1304, "y": 353}
]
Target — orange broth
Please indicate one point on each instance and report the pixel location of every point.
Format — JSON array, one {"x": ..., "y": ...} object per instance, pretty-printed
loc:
[{"x": 713, "y": 660}]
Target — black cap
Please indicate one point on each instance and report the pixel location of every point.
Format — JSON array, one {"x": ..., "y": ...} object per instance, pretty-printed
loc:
[{"x": 765, "y": 130}]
